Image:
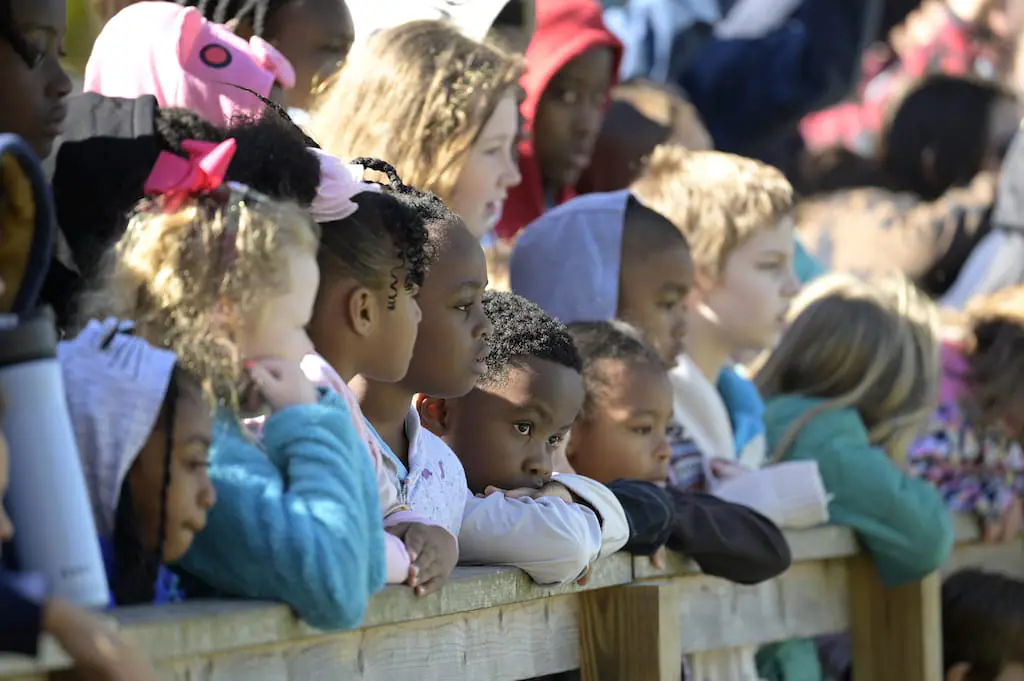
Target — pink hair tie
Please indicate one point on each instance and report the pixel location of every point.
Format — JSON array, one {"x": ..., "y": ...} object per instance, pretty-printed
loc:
[
  {"x": 271, "y": 59},
  {"x": 339, "y": 183}
]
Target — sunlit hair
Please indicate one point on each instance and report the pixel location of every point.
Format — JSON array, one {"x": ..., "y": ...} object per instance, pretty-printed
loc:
[
  {"x": 869, "y": 346},
  {"x": 716, "y": 200},
  {"x": 416, "y": 95},
  {"x": 993, "y": 329},
  {"x": 196, "y": 280}
]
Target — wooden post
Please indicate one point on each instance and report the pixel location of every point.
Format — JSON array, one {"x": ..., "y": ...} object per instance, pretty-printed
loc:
[
  {"x": 631, "y": 632},
  {"x": 897, "y": 632}
]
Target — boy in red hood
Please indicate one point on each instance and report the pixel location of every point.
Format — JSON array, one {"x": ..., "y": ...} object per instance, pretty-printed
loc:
[{"x": 572, "y": 63}]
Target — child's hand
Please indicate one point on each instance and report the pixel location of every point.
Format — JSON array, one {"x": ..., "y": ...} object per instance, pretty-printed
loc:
[
  {"x": 658, "y": 559},
  {"x": 551, "y": 489},
  {"x": 433, "y": 553},
  {"x": 727, "y": 470},
  {"x": 282, "y": 383},
  {"x": 98, "y": 651}
]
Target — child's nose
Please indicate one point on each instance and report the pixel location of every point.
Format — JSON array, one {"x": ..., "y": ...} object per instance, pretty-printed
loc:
[
  {"x": 539, "y": 466},
  {"x": 208, "y": 496}
]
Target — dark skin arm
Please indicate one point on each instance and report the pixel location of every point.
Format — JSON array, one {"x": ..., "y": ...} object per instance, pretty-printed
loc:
[{"x": 433, "y": 552}]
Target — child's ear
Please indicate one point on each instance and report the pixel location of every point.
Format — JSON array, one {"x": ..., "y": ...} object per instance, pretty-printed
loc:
[
  {"x": 362, "y": 311},
  {"x": 433, "y": 413},
  {"x": 958, "y": 672}
]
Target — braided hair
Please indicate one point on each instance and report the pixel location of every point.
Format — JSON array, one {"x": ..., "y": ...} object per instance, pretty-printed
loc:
[
  {"x": 388, "y": 225},
  {"x": 255, "y": 12},
  {"x": 136, "y": 569}
]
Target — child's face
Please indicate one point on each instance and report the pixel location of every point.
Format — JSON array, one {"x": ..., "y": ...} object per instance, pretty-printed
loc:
[
  {"x": 623, "y": 433},
  {"x": 280, "y": 331},
  {"x": 653, "y": 293},
  {"x": 491, "y": 168},
  {"x": 6, "y": 526},
  {"x": 32, "y": 100},
  {"x": 190, "y": 494},
  {"x": 746, "y": 305},
  {"x": 315, "y": 36},
  {"x": 569, "y": 117},
  {"x": 506, "y": 434},
  {"x": 451, "y": 343}
]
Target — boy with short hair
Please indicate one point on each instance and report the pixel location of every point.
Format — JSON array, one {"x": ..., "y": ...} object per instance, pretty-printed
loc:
[
  {"x": 623, "y": 433},
  {"x": 736, "y": 214},
  {"x": 506, "y": 432}
]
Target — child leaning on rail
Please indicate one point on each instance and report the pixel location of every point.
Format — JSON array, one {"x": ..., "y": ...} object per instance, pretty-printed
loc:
[
  {"x": 849, "y": 385},
  {"x": 226, "y": 278}
]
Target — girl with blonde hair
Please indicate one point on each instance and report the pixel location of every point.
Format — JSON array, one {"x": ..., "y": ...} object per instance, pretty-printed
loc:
[
  {"x": 227, "y": 278},
  {"x": 439, "y": 106},
  {"x": 971, "y": 449},
  {"x": 850, "y": 384}
]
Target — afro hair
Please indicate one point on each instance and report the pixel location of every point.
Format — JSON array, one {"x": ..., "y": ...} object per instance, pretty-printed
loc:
[
  {"x": 614, "y": 340},
  {"x": 522, "y": 330}
]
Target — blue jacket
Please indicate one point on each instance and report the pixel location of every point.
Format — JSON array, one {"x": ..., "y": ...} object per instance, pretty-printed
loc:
[
  {"x": 297, "y": 520},
  {"x": 745, "y": 90}
]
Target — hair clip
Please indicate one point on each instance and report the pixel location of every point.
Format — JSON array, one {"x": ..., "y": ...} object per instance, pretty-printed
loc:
[{"x": 175, "y": 179}]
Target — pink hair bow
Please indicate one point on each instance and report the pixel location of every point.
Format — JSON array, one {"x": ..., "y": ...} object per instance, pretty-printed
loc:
[
  {"x": 177, "y": 179},
  {"x": 339, "y": 183}
]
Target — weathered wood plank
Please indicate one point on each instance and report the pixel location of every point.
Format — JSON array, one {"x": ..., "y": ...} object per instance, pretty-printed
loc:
[
  {"x": 897, "y": 632},
  {"x": 507, "y": 643}
]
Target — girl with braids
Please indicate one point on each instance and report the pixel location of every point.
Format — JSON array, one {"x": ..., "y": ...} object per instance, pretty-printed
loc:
[
  {"x": 33, "y": 84},
  {"x": 442, "y": 107},
  {"x": 227, "y": 278},
  {"x": 143, "y": 427},
  {"x": 314, "y": 35}
]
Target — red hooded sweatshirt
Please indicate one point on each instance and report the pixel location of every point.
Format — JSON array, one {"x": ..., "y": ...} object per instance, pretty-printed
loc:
[{"x": 565, "y": 30}]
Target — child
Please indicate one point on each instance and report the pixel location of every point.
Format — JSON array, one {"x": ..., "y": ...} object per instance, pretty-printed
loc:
[
  {"x": 362, "y": 326},
  {"x": 971, "y": 448},
  {"x": 735, "y": 214},
  {"x": 34, "y": 83},
  {"x": 227, "y": 278},
  {"x": 313, "y": 35},
  {"x": 982, "y": 627},
  {"x": 505, "y": 433},
  {"x": 443, "y": 108},
  {"x": 28, "y": 613},
  {"x": 574, "y": 63},
  {"x": 173, "y": 53},
  {"x": 622, "y": 433},
  {"x": 848, "y": 386},
  {"x": 607, "y": 256},
  {"x": 143, "y": 428}
]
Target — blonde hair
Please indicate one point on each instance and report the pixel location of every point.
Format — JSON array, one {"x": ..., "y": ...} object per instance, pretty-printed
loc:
[
  {"x": 417, "y": 95},
  {"x": 869, "y": 346},
  {"x": 716, "y": 200},
  {"x": 195, "y": 279},
  {"x": 993, "y": 327}
]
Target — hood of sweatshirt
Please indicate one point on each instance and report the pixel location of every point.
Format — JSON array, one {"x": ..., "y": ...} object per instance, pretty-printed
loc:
[{"x": 565, "y": 30}]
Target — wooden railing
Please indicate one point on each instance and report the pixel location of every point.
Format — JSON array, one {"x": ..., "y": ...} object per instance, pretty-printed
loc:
[{"x": 630, "y": 622}]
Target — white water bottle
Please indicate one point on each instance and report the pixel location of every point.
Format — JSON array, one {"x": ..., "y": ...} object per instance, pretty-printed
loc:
[{"x": 55, "y": 533}]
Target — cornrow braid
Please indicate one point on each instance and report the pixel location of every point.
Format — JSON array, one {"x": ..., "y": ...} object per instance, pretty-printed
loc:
[{"x": 255, "y": 12}]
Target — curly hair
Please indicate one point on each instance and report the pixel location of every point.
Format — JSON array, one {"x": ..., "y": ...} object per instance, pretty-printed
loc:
[
  {"x": 386, "y": 237},
  {"x": 273, "y": 157},
  {"x": 418, "y": 95},
  {"x": 522, "y": 330},
  {"x": 195, "y": 279},
  {"x": 614, "y": 340}
]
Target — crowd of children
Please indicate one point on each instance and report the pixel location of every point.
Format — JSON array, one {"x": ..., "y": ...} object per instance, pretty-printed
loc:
[{"x": 350, "y": 295}]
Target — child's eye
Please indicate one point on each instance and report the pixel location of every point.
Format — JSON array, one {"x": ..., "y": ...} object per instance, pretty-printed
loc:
[
  {"x": 198, "y": 464},
  {"x": 555, "y": 440},
  {"x": 643, "y": 430},
  {"x": 464, "y": 307},
  {"x": 523, "y": 428}
]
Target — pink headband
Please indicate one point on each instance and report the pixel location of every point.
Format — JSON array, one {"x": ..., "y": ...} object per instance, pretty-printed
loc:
[{"x": 339, "y": 183}]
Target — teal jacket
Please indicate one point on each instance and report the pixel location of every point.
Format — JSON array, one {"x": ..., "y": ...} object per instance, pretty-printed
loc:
[
  {"x": 901, "y": 521},
  {"x": 297, "y": 520}
]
